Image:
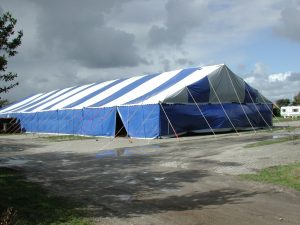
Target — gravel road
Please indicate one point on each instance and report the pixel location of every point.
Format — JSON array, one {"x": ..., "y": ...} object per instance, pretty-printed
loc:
[{"x": 190, "y": 180}]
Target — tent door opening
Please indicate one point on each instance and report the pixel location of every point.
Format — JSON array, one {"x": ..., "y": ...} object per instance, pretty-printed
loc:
[{"x": 120, "y": 130}]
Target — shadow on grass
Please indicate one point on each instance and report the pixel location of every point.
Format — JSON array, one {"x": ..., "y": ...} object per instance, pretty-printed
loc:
[
  {"x": 10, "y": 145},
  {"x": 34, "y": 205}
]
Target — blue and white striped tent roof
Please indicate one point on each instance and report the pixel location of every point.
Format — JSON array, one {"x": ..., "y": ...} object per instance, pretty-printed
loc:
[{"x": 138, "y": 90}]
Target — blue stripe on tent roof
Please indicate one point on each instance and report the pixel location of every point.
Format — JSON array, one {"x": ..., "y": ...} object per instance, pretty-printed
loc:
[
  {"x": 177, "y": 78},
  {"x": 69, "y": 96},
  {"x": 46, "y": 95},
  {"x": 78, "y": 102},
  {"x": 125, "y": 90},
  {"x": 23, "y": 99},
  {"x": 49, "y": 98}
]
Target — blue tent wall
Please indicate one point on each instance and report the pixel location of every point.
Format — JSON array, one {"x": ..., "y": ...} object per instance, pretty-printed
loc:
[
  {"x": 188, "y": 118},
  {"x": 47, "y": 122},
  {"x": 87, "y": 121},
  {"x": 146, "y": 121},
  {"x": 99, "y": 121},
  {"x": 141, "y": 121},
  {"x": 27, "y": 121}
]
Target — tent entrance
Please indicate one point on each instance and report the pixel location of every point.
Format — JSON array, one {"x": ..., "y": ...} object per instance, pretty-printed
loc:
[{"x": 120, "y": 130}]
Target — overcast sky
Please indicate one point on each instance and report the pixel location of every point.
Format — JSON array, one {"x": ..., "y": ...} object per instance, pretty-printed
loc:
[{"x": 72, "y": 42}]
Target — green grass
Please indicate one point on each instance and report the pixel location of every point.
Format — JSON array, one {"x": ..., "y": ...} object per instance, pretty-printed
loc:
[
  {"x": 282, "y": 119},
  {"x": 66, "y": 138},
  {"x": 33, "y": 204},
  {"x": 287, "y": 175},
  {"x": 272, "y": 141}
]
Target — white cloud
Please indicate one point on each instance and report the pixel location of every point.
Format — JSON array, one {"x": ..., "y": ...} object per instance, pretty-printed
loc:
[
  {"x": 250, "y": 80},
  {"x": 274, "y": 86},
  {"x": 279, "y": 77}
]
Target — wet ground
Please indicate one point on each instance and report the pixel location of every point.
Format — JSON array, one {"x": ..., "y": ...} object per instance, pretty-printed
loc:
[{"x": 192, "y": 180}]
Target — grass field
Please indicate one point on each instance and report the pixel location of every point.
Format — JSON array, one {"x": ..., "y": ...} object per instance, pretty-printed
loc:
[
  {"x": 282, "y": 119},
  {"x": 28, "y": 203},
  {"x": 66, "y": 137},
  {"x": 287, "y": 175}
]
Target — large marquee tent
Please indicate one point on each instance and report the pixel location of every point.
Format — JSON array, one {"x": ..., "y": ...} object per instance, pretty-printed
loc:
[{"x": 198, "y": 99}]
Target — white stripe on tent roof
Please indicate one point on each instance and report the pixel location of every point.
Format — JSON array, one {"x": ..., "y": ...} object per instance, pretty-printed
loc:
[
  {"x": 33, "y": 101},
  {"x": 64, "y": 96},
  {"x": 21, "y": 103},
  {"x": 192, "y": 78},
  {"x": 80, "y": 95},
  {"x": 44, "y": 100},
  {"x": 107, "y": 92},
  {"x": 143, "y": 88}
]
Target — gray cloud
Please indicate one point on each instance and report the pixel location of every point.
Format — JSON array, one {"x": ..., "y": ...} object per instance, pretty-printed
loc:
[
  {"x": 294, "y": 77},
  {"x": 78, "y": 32},
  {"x": 184, "y": 62},
  {"x": 181, "y": 18},
  {"x": 289, "y": 22},
  {"x": 73, "y": 42}
]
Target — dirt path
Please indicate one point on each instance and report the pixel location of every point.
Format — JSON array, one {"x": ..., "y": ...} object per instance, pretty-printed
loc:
[{"x": 190, "y": 181}]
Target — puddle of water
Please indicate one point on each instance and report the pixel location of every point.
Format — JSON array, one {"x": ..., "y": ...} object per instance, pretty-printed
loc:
[
  {"x": 124, "y": 197},
  {"x": 285, "y": 134},
  {"x": 66, "y": 162},
  {"x": 10, "y": 149},
  {"x": 168, "y": 190},
  {"x": 111, "y": 153},
  {"x": 174, "y": 164},
  {"x": 132, "y": 182},
  {"x": 15, "y": 162}
]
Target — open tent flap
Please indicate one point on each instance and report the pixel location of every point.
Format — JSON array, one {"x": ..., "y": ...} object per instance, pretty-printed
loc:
[{"x": 141, "y": 121}]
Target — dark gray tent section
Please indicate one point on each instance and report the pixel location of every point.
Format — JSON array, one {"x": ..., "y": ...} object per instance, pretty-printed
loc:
[{"x": 222, "y": 85}]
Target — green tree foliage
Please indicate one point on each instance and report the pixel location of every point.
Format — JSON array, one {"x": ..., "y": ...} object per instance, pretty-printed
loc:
[
  {"x": 297, "y": 99},
  {"x": 279, "y": 103},
  {"x": 283, "y": 102},
  {"x": 9, "y": 41},
  {"x": 3, "y": 102}
]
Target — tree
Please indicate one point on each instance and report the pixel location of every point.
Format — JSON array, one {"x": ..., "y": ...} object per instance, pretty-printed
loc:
[
  {"x": 297, "y": 99},
  {"x": 283, "y": 102},
  {"x": 278, "y": 104},
  {"x": 9, "y": 41},
  {"x": 3, "y": 103}
]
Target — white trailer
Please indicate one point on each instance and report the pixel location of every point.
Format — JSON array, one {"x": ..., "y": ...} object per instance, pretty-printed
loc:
[{"x": 290, "y": 111}]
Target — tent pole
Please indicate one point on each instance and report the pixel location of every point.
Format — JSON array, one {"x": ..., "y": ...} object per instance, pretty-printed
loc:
[
  {"x": 224, "y": 109},
  {"x": 201, "y": 112},
  {"x": 168, "y": 120},
  {"x": 239, "y": 100},
  {"x": 257, "y": 109}
]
